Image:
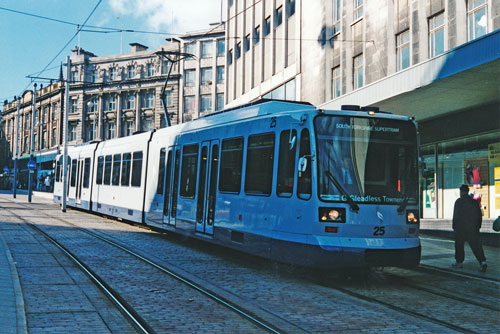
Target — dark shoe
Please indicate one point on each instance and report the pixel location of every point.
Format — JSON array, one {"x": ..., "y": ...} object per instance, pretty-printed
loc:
[
  {"x": 457, "y": 265},
  {"x": 483, "y": 267}
]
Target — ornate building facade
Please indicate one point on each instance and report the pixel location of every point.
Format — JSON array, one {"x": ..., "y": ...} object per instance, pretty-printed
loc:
[{"x": 117, "y": 95}]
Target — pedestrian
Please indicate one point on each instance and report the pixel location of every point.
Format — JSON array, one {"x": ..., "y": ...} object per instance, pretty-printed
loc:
[{"x": 467, "y": 219}]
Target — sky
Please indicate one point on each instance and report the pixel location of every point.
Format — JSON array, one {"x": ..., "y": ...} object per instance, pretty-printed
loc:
[{"x": 29, "y": 44}]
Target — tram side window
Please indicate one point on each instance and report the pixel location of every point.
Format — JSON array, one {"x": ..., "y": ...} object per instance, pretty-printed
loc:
[
  {"x": 231, "y": 165},
  {"x": 286, "y": 163},
  {"x": 136, "y": 169},
  {"x": 126, "y": 169},
  {"x": 259, "y": 166},
  {"x": 161, "y": 172},
  {"x": 73, "y": 172},
  {"x": 304, "y": 188},
  {"x": 100, "y": 167},
  {"x": 189, "y": 170},
  {"x": 86, "y": 173},
  {"x": 107, "y": 169},
  {"x": 117, "y": 159}
]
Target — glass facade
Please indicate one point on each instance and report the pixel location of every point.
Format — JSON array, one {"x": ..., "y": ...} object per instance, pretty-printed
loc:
[{"x": 474, "y": 161}]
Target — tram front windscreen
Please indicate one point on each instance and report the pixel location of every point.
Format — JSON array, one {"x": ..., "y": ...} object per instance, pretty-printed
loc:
[{"x": 371, "y": 160}]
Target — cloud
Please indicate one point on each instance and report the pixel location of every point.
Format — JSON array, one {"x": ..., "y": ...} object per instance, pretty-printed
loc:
[{"x": 175, "y": 16}]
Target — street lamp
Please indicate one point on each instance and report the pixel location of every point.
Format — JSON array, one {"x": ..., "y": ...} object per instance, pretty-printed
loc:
[
  {"x": 32, "y": 143},
  {"x": 16, "y": 176}
]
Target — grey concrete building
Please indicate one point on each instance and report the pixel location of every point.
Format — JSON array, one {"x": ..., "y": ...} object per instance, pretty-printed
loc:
[
  {"x": 437, "y": 60},
  {"x": 203, "y": 75}
]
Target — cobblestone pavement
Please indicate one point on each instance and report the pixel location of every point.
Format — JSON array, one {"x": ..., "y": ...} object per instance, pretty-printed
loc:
[{"x": 286, "y": 293}]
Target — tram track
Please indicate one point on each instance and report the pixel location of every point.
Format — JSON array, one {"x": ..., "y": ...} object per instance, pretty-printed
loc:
[
  {"x": 355, "y": 291},
  {"x": 124, "y": 307},
  {"x": 433, "y": 291},
  {"x": 393, "y": 306}
]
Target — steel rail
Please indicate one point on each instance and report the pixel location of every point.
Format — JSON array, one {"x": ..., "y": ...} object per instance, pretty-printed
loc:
[
  {"x": 398, "y": 308},
  {"x": 124, "y": 308},
  {"x": 171, "y": 273},
  {"x": 441, "y": 294}
]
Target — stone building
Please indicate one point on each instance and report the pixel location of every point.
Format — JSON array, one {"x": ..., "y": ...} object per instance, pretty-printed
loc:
[
  {"x": 116, "y": 95},
  {"x": 47, "y": 136},
  {"x": 437, "y": 60}
]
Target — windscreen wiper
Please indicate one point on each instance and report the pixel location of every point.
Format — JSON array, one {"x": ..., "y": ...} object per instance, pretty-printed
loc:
[
  {"x": 403, "y": 204},
  {"x": 337, "y": 184}
]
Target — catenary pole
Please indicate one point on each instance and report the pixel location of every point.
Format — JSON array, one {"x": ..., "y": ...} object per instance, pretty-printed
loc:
[
  {"x": 16, "y": 176},
  {"x": 65, "y": 135},
  {"x": 32, "y": 143}
]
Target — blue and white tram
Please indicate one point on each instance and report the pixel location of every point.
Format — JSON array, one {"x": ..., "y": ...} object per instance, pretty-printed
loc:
[{"x": 283, "y": 180}]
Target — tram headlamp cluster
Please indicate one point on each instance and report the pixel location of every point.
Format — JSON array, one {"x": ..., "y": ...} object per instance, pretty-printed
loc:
[
  {"x": 332, "y": 215},
  {"x": 412, "y": 217}
]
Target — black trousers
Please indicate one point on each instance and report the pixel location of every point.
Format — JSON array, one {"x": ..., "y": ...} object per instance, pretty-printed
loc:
[{"x": 474, "y": 242}]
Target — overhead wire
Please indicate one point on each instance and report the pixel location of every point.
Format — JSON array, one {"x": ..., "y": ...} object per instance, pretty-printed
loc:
[{"x": 70, "y": 40}]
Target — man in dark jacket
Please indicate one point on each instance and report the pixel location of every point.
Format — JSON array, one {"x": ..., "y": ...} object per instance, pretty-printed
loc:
[{"x": 467, "y": 220}]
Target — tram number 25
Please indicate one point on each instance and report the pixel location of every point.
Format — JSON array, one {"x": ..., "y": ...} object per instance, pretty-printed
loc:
[{"x": 379, "y": 230}]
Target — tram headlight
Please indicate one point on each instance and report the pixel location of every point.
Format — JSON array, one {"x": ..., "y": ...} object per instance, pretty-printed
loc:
[
  {"x": 336, "y": 215},
  {"x": 412, "y": 217}
]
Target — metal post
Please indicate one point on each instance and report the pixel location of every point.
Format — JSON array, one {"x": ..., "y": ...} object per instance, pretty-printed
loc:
[
  {"x": 17, "y": 149},
  {"x": 32, "y": 143},
  {"x": 65, "y": 135}
]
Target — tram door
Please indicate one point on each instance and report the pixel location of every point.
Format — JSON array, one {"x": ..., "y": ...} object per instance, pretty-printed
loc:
[
  {"x": 171, "y": 185},
  {"x": 207, "y": 187}
]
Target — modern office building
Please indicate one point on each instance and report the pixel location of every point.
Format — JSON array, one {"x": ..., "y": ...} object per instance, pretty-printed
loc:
[{"x": 437, "y": 60}]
